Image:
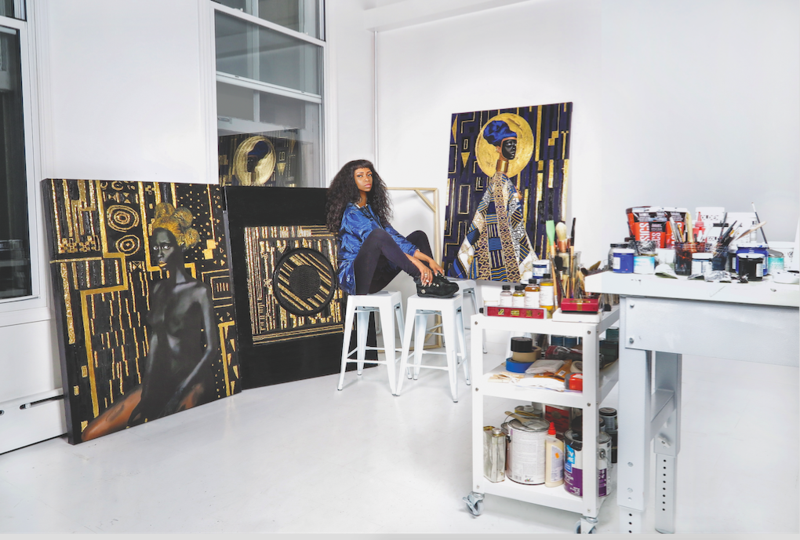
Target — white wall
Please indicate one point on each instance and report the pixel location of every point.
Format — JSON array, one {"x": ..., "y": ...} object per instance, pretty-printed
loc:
[
  {"x": 532, "y": 53},
  {"x": 124, "y": 92},
  {"x": 676, "y": 102},
  {"x": 701, "y": 107}
]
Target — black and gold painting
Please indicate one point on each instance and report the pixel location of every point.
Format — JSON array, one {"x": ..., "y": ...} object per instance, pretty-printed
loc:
[
  {"x": 143, "y": 298},
  {"x": 507, "y": 176},
  {"x": 289, "y": 306},
  {"x": 260, "y": 159}
]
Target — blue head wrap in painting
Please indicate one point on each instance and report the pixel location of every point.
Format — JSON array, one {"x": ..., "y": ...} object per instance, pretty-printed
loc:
[{"x": 496, "y": 131}]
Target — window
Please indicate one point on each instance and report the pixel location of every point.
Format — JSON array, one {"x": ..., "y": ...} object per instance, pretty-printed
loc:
[
  {"x": 15, "y": 189},
  {"x": 269, "y": 65}
]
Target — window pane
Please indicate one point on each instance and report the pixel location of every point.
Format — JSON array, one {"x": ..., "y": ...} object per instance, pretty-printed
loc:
[
  {"x": 247, "y": 50},
  {"x": 298, "y": 15},
  {"x": 267, "y": 139},
  {"x": 15, "y": 267}
]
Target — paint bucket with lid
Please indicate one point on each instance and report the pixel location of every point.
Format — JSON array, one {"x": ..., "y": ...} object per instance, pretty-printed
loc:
[
  {"x": 753, "y": 247},
  {"x": 701, "y": 263},
  {"x": 526, "y": 455},
  {"x": 751, "y": 265},
  {"x": 573, "y": 465},
  {"x": 623, "y": 260}
]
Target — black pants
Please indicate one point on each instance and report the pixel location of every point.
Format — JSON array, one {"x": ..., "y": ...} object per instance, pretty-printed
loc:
[{"x": 371, "y": 265}]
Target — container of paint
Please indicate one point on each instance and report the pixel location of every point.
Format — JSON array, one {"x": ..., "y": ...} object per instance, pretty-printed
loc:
[
  {"x": 623, "y": 260},
  {"x": 665, "y": 256},
  {"x": 683, "y": 256},
  {"x": 701, "y": 263},
  {"x": 775, "y": 262},
  {"x": 753, "y": 247},
  {"x": 526, "y": 452},
  {"x": 610, "y": 416},
  {"x": 644, "y": 264},
  {"x": 611, "y": 253},
  {"x": 751, "y": 265},
  {"x": 573, "y": 464},
  {"x": 540, "y": 268}
]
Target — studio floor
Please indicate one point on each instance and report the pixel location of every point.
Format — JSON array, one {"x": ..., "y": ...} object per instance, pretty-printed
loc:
[{"x": 303, "y": 457}]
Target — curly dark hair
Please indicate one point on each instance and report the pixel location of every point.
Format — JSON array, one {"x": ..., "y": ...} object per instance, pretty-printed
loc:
[{"x": 343, "y": 190}]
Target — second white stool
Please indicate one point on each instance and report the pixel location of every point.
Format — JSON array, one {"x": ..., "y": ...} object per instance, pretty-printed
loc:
[
  {"x": 387, "y": 304},
  {"x": 417, "y": 311}
]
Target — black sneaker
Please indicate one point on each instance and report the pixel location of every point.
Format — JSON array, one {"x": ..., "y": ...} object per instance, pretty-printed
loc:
[{"x": 440, "y": 287}]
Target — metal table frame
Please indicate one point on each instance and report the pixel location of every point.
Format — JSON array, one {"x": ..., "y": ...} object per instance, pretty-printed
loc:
[{"x": 660, "y": 320}]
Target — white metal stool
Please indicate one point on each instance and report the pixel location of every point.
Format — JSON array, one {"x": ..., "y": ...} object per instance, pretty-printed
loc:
[
  {"x": 386, "y": 303},
  {"x": 467, "y": 288},
  {"x": 417, "y": 311}
]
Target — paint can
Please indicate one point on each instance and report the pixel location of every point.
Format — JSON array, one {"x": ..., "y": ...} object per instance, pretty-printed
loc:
[
  {"x": 644, "y": 264},
  {"x": 540, "y": 268},
  {"x": 573, "y": 465},
  {"x": 701, "y": 263},
  {"x": 610, "y": 416},
  {"x": 753, "y": 247},
  {"x": 526, "y": 456},
  {"x": 496, "y": 462},
  {"x": 751, "y": 265},
  {"x": 775, "y": 262},
  {"x": 623, "y": 260}
]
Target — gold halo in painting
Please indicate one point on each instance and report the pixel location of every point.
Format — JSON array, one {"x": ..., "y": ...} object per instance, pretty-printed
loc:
[
  {"x": 264, "y": 169},
  {"x": 487, "y": 154}
]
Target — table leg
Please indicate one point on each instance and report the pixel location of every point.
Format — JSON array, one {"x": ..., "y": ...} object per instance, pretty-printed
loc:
[
  {"x": 633, "y": 464},
  {"x": 667, "y": 442}
]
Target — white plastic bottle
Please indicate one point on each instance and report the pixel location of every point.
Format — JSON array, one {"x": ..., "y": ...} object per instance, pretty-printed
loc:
[{"x": 554, "y": 459}]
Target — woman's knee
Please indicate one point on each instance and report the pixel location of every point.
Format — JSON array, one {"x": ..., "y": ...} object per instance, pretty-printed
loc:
[{"x": 378, "y": 236}]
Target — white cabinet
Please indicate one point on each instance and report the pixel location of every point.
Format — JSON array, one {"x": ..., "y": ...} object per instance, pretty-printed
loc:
[{"x": 596, "y": 386}]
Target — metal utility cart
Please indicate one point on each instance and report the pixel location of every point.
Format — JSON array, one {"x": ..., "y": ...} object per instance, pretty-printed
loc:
[{"x": 596, "y": 386}]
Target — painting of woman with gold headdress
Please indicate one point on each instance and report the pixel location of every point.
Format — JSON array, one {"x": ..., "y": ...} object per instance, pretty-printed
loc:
[
  {"x": 182, "y": 334},
  {"x": 507, "y": 177}
]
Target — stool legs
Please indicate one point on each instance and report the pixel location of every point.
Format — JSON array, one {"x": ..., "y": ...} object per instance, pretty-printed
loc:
[
  {"x": 348, "y": 329},
  {"x": 363, "y": 328},
  {"x": 449, "y": 329},
  {"x": 462, "y": 343},
  {"x": 388, "y": 347},
  {"x": 420, "y": 330}
]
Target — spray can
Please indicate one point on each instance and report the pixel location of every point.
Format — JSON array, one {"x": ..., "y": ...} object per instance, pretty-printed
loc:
[{"x": 573, "y": 466}]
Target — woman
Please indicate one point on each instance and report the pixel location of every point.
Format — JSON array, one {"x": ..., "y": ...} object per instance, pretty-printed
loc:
[
  {"x": 182, "y": 332},
  {"x": 371, "y": 252}
]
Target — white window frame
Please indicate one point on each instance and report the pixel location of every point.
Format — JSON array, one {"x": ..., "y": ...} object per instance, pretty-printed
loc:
[
  {"x": 32, "y": 308},
  {"x": 268, "y": 88}
]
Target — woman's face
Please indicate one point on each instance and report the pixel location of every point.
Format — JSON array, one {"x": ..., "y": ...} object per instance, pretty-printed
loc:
[
  {"x": 509, "y": 149},
  {"x": 165, "y": 248},
  {"x": 363, "y": 178}
]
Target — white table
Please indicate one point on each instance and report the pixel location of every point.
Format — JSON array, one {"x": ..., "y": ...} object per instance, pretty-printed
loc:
[{"x": 661, "y": 319}]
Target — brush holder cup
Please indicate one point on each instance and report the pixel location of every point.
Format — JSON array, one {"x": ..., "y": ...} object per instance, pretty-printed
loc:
[{"x": 683, "y": 256}]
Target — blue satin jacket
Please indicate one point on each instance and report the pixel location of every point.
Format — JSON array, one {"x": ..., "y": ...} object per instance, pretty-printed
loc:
[{"x": 357, "y": 223}]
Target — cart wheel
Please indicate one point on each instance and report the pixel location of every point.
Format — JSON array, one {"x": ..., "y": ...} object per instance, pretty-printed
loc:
[
  {"x": 474, "y": 503},
  {"x": 593, "y": 530}
]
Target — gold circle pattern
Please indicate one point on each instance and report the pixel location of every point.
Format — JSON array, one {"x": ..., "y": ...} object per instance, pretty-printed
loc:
[
  {"x": 487, "y": 153},
  {"x": 121, "y": 218},
  {"x": 264, "y": 169},
  {"x": 128, "y": 245}
]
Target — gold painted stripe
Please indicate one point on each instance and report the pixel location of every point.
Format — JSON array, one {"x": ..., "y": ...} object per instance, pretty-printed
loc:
[
  {"x": 564, "y": 189},
  {"x": 538, "y": 131},
  {"x": 222, "y": 333}
]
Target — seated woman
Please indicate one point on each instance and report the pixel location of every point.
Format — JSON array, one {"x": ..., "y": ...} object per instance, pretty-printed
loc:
[{"x": 371, "y": 252}]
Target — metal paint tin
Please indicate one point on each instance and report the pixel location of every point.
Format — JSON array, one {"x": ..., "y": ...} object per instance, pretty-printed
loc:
[
  {"x": 526, "y": 455},
  {"x": 497, "y": 457},
  {"x": 751, "y": 265},
  {"x": 701, "y": 263},
  {"x": 752, "y": 247},
  {"x": 610, "y": 416},
  {"x": 644, "y": 264},
  {"x": 573, "y": 464},
  {"x": 540, "y": 268},
  {"x": 623, "y": 260}
]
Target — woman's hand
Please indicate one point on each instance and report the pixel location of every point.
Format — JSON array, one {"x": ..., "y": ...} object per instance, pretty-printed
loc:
[
  {"x": 438, "y": 270},
  {"x": 428, "y": 262},
  {"x": 425, "y": 273}
]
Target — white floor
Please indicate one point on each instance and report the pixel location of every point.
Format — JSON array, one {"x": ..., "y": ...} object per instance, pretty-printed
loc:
[{"x": 302, "y": 457}]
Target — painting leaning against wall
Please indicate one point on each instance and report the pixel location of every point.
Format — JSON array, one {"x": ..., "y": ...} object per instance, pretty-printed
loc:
[
  {"x": 507, "y": 176},
  {"x": 143, "y": 298}
]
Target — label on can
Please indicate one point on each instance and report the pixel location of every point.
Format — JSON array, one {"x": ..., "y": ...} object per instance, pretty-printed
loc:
[{"x": 573, "y": 472}]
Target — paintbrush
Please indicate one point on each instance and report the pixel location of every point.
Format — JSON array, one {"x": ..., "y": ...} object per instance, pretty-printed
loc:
[
  {"x": 689, "y": 232},
  {"x": 759, "y": 221},
  {"x": 550, "y": 227},
  {"x": 751, "y": 230}
]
